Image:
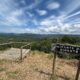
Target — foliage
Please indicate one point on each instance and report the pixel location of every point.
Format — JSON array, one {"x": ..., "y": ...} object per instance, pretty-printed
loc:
[
  {"x": 39, "y": 42},
  {"x": 70, "y": 40}
]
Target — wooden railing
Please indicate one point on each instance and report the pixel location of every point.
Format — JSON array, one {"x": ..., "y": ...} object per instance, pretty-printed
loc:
[
  {"x": 21, "y": 48},
  {"x": 21, "y": 58}
]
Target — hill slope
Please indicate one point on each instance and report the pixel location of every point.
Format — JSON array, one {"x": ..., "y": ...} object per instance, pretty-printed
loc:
[{"x": 37, "y": 66}]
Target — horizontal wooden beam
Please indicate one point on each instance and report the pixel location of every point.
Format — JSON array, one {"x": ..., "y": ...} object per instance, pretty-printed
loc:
[
  {"x": 25, "y": 45},
  {"x": 5, "y": 44},
  {"x": 11, "y": 43}
]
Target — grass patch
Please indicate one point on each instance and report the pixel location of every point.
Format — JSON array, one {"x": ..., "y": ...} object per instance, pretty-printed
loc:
[
  {"x": 12, "y": 75},
  {"x": 37, "y": 52},
  {"x": 50, "y": 56},
  {"x": 2, "y": 69},
  {"x": 3, "y": 62}
]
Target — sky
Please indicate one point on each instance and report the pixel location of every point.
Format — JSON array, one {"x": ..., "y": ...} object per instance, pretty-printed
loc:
[{"x": 40, "y": 16}]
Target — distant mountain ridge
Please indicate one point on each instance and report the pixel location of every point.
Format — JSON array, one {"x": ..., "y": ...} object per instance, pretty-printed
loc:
[{"x": 36, "y": 35}]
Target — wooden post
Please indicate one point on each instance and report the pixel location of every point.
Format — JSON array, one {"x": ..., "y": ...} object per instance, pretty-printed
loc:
[
  {"x": 21, "y": 54},
  {"x": 78, "y": 71},
  {"x": 54, "y": 61},
  {"x": 53, "y": 68}
]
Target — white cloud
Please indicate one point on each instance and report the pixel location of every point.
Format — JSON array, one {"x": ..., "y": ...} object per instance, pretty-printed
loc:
[
  {"x": 41, "y": 12},
  {"x": 53, "y": 5},
  {"x": 57, "y": 25},
  {"x": 6, "y": 7},
  {"x": 48, "y": 21},
  {"x": 71, "y": 6},
  {"x": 74, "y": 14},
  {"x": 14, "y": 16},
  {"x": 33, "y": 5},
  {"x": 10, "y": 12},
  {"x": 77, "y": 25},
  {"x": 28, "y": 30},
  {"x": 35, "y": 22},
  {"x": 23, "y": 2},
  {"x": 30, "y": 14}
]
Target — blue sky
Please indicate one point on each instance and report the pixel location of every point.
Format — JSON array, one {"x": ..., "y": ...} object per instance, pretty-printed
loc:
[{"x": 40, "y": 16}]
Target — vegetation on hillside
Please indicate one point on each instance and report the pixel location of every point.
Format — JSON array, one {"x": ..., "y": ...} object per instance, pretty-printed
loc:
[{"x": 39, "y": 42}]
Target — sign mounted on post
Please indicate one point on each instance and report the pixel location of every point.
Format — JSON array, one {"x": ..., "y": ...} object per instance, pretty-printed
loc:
[{"x": 65, "y": 48}]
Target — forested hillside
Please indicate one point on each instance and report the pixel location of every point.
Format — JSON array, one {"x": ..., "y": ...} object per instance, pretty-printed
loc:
[{"x": 38, "y": 42}]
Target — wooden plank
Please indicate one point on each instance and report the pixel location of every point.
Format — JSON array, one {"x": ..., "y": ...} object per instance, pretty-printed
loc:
[
  {"x": 21, "y": 54},
  {"x": 53, "y": 67},
  {"x": 11, "y": 43},
  {"x": 25, "y": 45},
  {"x": 78, "y": 71},
  {"x": 67, "y": 48},
  {"x": 5, "y": 44}
]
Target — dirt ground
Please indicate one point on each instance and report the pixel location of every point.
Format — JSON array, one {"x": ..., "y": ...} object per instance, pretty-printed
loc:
[
  {"x": 37, "y": 66},
  {"x": 13, "y": 53}
]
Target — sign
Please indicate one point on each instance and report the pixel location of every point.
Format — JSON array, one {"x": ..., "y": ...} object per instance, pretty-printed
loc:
[{"x": 66, "y": 48}]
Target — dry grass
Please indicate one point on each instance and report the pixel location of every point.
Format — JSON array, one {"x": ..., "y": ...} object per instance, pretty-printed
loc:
[{"x": 37, "y": 66}]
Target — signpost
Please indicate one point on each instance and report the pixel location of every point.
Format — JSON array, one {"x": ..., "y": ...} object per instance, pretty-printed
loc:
[
  {"x": 68, "y": 49},
  {"x": 53, "y": 68}
]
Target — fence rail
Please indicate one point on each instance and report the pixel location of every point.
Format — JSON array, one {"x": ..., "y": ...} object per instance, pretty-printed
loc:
[{"x": 5, "y": 44}]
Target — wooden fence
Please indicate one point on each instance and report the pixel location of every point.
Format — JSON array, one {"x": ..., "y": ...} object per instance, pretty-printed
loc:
[{"x": 21, "y": 49}]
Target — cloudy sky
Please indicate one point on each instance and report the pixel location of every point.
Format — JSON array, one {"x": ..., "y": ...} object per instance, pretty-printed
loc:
[{"x": 40, "y": 16}]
